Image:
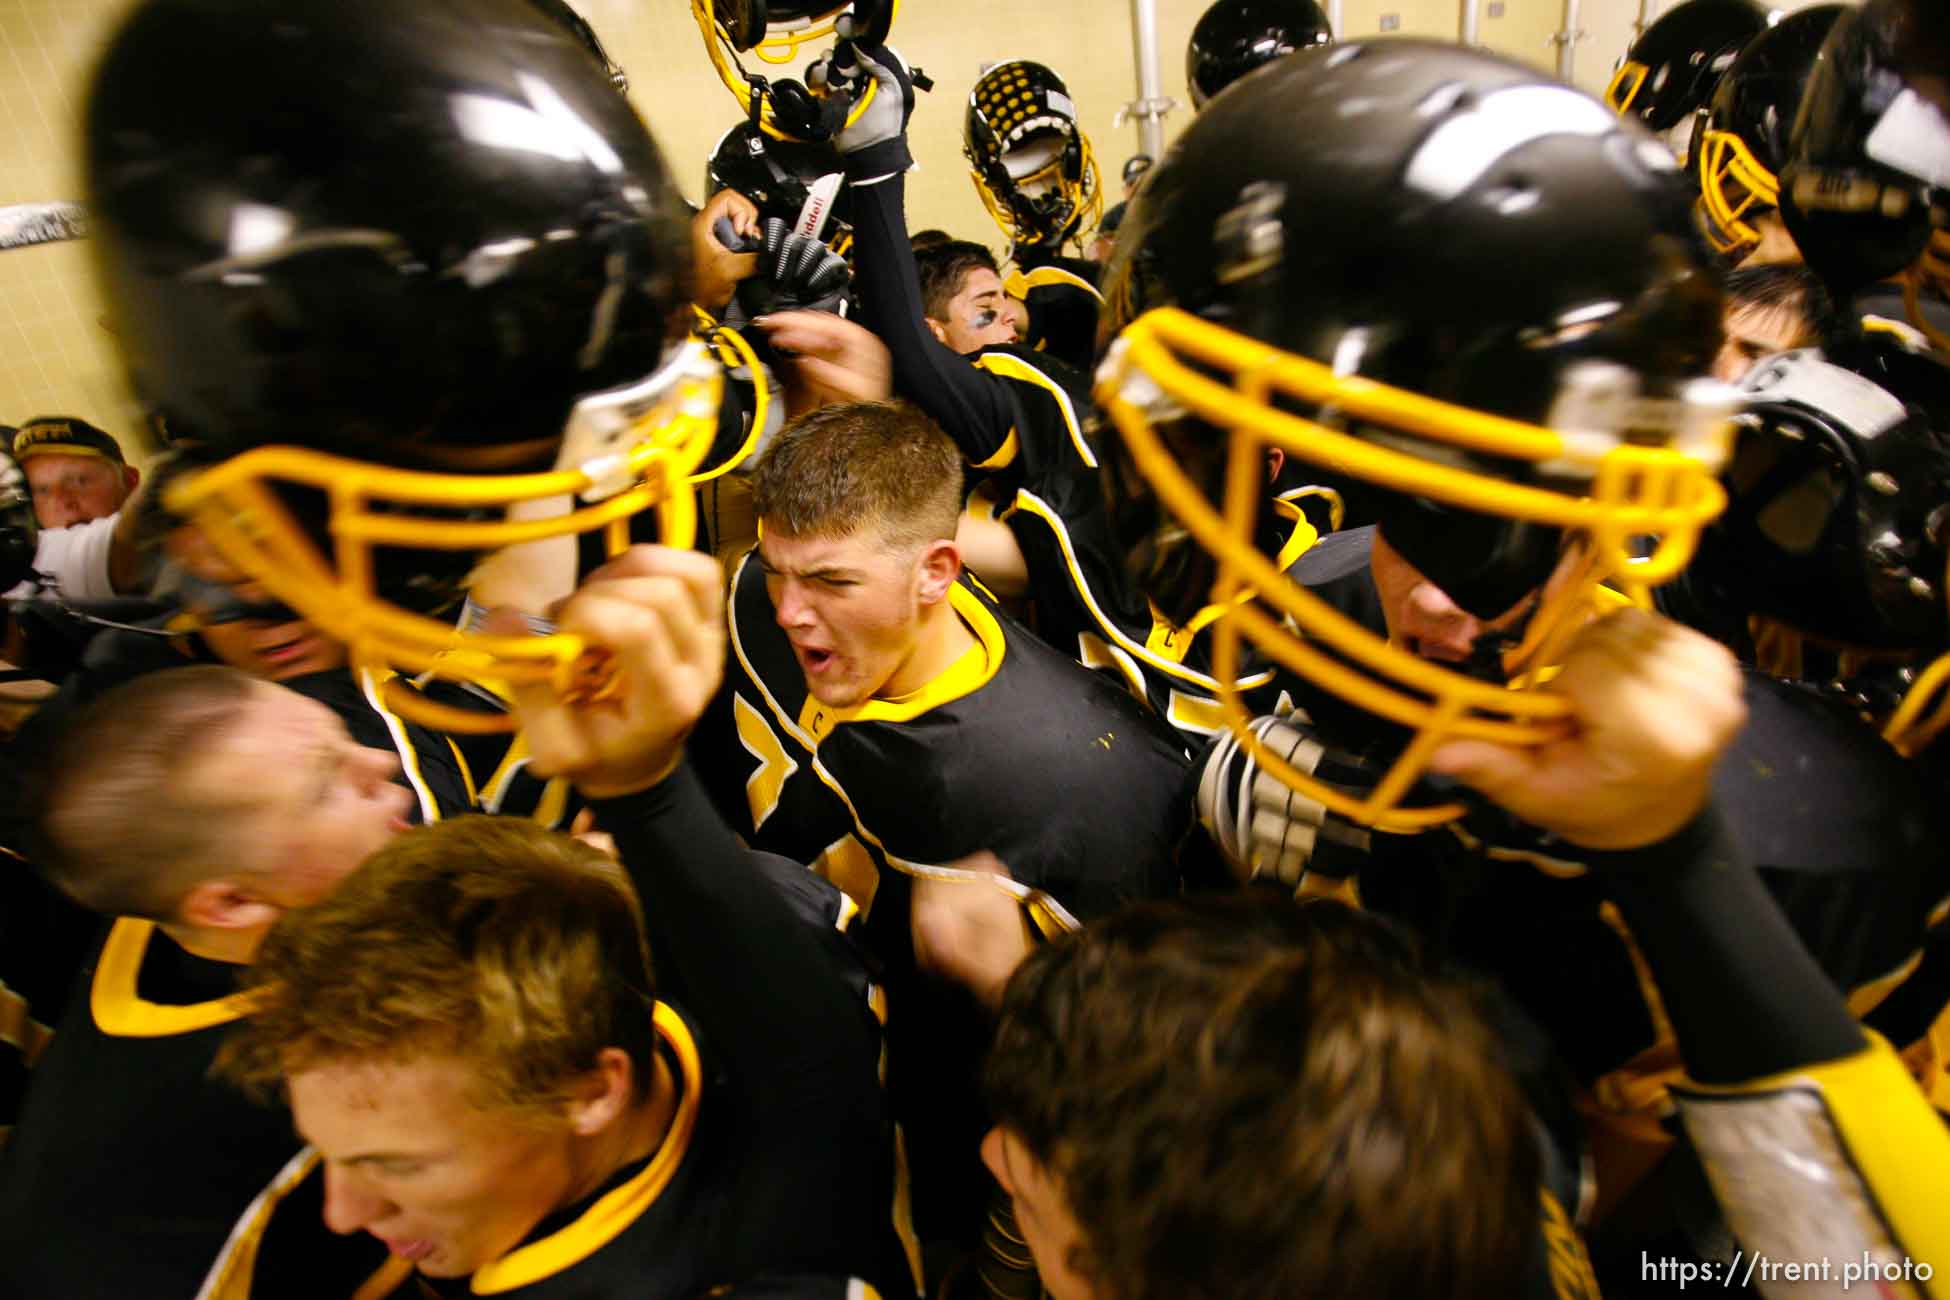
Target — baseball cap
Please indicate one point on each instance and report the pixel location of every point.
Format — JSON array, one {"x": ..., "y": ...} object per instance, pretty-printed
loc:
[{"x": 63, "y": 435}]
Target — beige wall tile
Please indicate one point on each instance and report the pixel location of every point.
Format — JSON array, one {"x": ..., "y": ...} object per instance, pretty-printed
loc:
[{"x": 54, "y": 357}]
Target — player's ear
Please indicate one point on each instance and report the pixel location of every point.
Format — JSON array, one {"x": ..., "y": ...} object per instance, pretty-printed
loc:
[
  {"x": 939, "y": 330},
  {"x": 221, "y": 903},
  {"x": 936, "y": 570},
  {"x": 600, "y": 1097},
  {"x": 1275, "y": 462}
]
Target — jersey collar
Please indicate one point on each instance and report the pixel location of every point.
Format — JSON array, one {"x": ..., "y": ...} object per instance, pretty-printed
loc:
[{"x": 623, "y": 1205}]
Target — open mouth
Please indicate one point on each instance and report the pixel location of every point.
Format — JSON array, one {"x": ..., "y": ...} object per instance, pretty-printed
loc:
[
  {"x": 289, "y": 649},
  {"x": 409, "y": 1250},
  {"x": 814, "y": 660}
]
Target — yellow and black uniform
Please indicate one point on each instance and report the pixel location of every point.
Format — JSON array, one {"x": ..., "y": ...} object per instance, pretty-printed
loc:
[
  {"x": 1841, "y": 831},
  {"x": 494, "y": 765},
  {"x": 132, "y": 1172},
  {"x": 1062, "y": 296},
  {"x": 1014, "y": 749},
  {"x": 998, "y": 752},
  {"x": 1820, "y": 1150},
  {"x": 1022, "y": 421},
  {"x": 779, "y": 1160}
]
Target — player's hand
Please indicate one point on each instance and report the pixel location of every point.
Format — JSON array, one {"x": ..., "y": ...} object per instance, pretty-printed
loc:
[
  {"x": 834, "y": 358},
  {"x": 968, "y": 931},
  {"x": 719, "y": 269},
  {"x": 1653, "y": 705},
  {"x": 1266, "y": 829},
  {"x": 795, "y": 272},
  {"x": 658, "y": 613},
  {"x": 873, "y": 139}
]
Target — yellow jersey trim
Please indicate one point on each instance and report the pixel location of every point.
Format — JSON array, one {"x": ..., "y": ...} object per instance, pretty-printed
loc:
[
  {"x": 1021, "y": 282},
  {"x": 230, "y": 1278},
  {"x": 1004, "y": 456},
  {"x": 826, "y": 778},
  {"x": 121, "y": 1012},
  {"x": 617, "y": 1209},
  {"x": 409, "y": 758},
  {"x": 1035, "y": 505},
  {"x": 1008, "y": 365},
  {"x": 973, "y": 669}
]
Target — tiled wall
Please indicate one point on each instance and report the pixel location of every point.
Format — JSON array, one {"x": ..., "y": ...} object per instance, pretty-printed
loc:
[{"x": 57, "y": 357}]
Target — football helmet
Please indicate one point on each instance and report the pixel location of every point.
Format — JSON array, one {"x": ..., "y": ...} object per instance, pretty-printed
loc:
[
  {"x": 411, "y": 284},
  {"x": 1457, "y": 281},
  {"x": 776, "y": 32},
  {"x": 1031, "y": 160},
  {"x": 1835, "y": 491},
  {"x": 1743, "y": 140},
  {"x": 1234, "y": 37},
  {"x": 1836, "y": 527},
  {"x": 1670, "y": 71},
  {"x": 794, "y": 181},
  {"x": 1867, "y": 187}
]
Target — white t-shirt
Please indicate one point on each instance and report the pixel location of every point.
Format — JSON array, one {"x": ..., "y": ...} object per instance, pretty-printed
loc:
[{"x": 74, "y": 560}]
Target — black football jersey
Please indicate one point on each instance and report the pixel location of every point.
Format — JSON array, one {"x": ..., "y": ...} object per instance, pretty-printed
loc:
[{"x": 132, "y": 1172}]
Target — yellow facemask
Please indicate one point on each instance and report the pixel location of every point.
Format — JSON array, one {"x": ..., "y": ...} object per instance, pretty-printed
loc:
[
  {"x": 780, "y": 46},
  {"x": 1732, "y": 185},
  {"x": 1634, "y": 498},
  {"x": 624, "y": 451}
]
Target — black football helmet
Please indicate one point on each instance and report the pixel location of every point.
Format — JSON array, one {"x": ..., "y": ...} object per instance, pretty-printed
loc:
[
  {"x": 1869, "y": 177},
  {"x": 1837, "y": 528},
  {"x": 1671, "y": 70},
  {"x": 794, "y": 181},
  {"x": 1836, "y": 516},
  {"x": 1742, "y": 143},
  {"x": 1031, "y": 160},
  {"x": 1234, "y": 37},
  {"x": 1448, "y": 277},
  {"x": 782, "y": 33},
  {"x": 407, "y": 279}
]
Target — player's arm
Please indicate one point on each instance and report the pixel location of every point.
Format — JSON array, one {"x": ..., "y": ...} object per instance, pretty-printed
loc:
[
  {"x": 754, "y": 973},
  {"x": 1800, "y": 1118},
  {"x": 973, "y": 407}
]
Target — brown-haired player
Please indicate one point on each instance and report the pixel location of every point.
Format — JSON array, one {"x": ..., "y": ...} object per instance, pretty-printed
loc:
[
  {"x": 1240, "y": 1096},
  {"x": 961, "y": 296},
  {"x": 524, "y": 1084},
  {"x": 883, "y": 720},
  {"x": 1298, "y": 1112},
  {"x": 193, "y": 807}
]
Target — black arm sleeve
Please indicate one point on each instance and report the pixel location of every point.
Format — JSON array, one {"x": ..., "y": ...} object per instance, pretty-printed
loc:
[
  {"x": 1745, "y": 998},
  {"x": 755, "y": 974},
  {"x": 972, "y": 406}
]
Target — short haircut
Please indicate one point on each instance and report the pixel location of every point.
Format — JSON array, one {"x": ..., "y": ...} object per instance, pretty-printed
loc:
[
  {"x": 943, "y": 267},
  {"x": 1783, "y": 287},
  {"x": 923, "y": 240},
  {"x": 856, "y": 465},
  {"x": 1240, "y": 1096},
  {"x": 517, "y": 949},
  {"x": 117, "y": 828}
]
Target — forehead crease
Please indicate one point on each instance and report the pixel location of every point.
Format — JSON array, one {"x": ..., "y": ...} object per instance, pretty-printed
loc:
[{"x": 810, "y": 555}]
